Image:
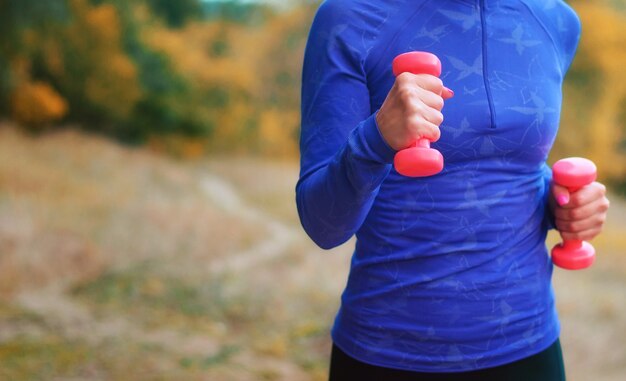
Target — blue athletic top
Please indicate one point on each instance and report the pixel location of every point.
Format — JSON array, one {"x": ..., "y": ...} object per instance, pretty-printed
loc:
[{"x": 450, "y": 272}]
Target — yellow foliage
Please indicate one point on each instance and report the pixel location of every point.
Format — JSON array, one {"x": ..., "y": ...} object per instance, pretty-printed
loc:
[
  {"x": 21, "y": 68},
  {"x": 111, "y": 76},
  {"x": 603, "y": 43},
  {"x": 53, "y": 57},
  {"x": 594, "y": 119},
  {"x": 179, "y": 146},
  {"x": 275, "y": 346},
  {"x": 189, "y": 49},
  {"x": 276, "y": 131},
  {"x": 36, "y": 103},
  {"x": 244, "y": 62},
  {"x": 108, "y": 87},
  {"x": 231, "y": 133},
  {"x": 104, "y": 22}
]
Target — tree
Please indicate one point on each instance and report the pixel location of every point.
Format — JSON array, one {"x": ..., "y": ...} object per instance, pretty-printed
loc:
[
  {"x": 176, "y": 13},
  {"x": 596, "y": 92}
]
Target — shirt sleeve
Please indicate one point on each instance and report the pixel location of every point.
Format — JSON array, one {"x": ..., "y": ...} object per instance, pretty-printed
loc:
[
  {"x": 344, "y": 158},
  {"x": 563, "y": 27},
  {"x": 569, "y": 30},
  {"x": 549, "y": 219}
]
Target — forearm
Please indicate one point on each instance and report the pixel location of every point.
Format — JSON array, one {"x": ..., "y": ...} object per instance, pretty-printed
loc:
[{"x": 334, "y": 198}]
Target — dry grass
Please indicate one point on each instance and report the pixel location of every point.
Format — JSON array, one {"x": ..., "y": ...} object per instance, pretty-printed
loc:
[
  {"x": 119, "y": 264},
  {"x": 114, "y": 251},
  {"x": 71, "y": 206}
]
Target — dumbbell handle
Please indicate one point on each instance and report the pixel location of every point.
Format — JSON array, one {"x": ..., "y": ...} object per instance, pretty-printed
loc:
[
  {"x": 574, "y": 173},
  {"x": 419, "y": 159},
  {"x": 421, "y": 142},
  {"x": 572, "y": 244}
]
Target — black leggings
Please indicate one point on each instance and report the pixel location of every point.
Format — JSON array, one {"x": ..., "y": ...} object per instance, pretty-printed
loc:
[{"x": 544, "y": 366}]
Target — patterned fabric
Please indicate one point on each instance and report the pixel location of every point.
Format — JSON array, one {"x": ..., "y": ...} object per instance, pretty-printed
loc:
[{"x": 450, "y": 272}]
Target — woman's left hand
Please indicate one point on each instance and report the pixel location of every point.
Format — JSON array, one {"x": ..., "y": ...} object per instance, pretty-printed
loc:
[{"x": 583, "y": 215}]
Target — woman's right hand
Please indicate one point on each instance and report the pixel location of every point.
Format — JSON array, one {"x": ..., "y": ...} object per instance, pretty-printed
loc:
[{"x": 412, "y": 110}]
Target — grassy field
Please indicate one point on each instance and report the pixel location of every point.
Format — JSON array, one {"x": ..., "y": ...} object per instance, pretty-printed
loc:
[{"x": 120, "y": 264}]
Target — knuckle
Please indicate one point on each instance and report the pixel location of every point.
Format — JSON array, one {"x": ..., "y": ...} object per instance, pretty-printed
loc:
[
  {"x": 438, "y": 102},
  {"x": 423, "y": 126},
  {"x": 435, "y": 133},
  {"x": 437, "y": 82},
  {"x": 430, "y": 82},
  {"x": 417, "y": 109},
  {"x": 403, "y": 78},
  {"x": 418, "y": 127},
  {"x": 414, "y": 124},
  {"x": 405, "y": 94},
  {"x": 575, "y": 200},
  {"x": 439, "y": 118}
]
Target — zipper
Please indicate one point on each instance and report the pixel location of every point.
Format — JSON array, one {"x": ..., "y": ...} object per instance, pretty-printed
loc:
[{"x": 483, "y": 22}]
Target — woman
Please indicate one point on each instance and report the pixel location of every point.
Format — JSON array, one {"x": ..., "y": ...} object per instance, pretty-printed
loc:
[{"x": 450, "y": 278}]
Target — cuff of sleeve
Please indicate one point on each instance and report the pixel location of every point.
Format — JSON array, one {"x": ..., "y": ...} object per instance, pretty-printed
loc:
[{"x": 378, "y": 147}]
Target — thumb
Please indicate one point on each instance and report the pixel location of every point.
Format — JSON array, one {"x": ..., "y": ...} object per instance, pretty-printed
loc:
[{"x": 561, "y": 194}]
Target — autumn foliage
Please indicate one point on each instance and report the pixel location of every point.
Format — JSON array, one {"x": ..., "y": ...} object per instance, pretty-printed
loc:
[
  {"x": 594, "y": 115},
  {"x": 195, "y": 78},
  {"x": 35, "y": 103},
  {"x": 163, "y": 72}
]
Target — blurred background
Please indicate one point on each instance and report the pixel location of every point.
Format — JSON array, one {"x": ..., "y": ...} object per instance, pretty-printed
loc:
[{"x": 148, "y": 157}]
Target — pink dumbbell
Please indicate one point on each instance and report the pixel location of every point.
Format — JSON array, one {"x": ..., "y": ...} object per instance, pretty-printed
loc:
[
  {"x": 574, "y": 173},
  {"x": 419, "y": 160}
]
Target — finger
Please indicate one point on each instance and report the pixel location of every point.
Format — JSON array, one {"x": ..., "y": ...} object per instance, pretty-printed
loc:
[
  {"x": 561, "y": 194},
  {"x": 586, "y": 195},
  {"x": 427, "y": 82},
  {"x": 597, "y": 220},
  {"x": 431, "y": 99},
  {"x": 433, "y": 116},
  {"x": 405, "y": 90},
  {"x": 422, "y": 128},
  {"x": 582, "y": 212},
  {"x": 430, "y": 83},
  {"x": 586, "y": 235}
]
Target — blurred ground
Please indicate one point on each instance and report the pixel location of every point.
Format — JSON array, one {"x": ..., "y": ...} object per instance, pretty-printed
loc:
[{"x": 119, "y": 264}]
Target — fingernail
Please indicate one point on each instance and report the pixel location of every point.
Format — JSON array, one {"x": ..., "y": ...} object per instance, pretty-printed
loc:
[
  {"x": 448, "y": 93},
  {"x": 562, "y": 199}
]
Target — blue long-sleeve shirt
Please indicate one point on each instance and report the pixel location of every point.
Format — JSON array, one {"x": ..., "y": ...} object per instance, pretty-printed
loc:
[{"x": 450, "y": 272}]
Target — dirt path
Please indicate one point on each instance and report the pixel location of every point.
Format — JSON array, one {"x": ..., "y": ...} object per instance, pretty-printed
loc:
[
  {"x": 280, "y": 236},
  {"x": 76, "y": 321},
  {"x": 281, "y": 291}
]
